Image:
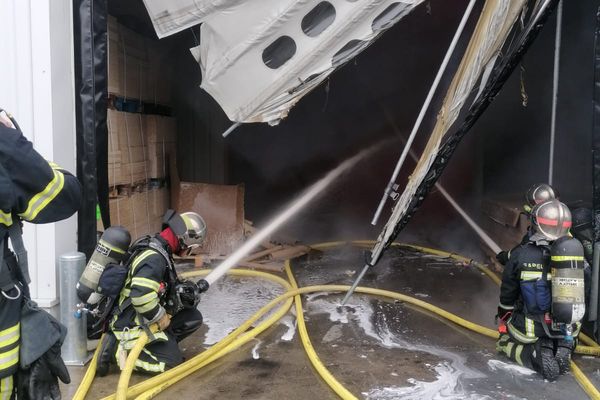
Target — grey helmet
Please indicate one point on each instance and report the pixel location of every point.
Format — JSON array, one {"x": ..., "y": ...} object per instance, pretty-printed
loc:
[
  {"x": 537, "y": 194},
  {"x": 551, "y": 219}
]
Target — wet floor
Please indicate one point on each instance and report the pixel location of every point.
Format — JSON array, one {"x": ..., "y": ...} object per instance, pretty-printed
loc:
[{"x": 377, "y": 348}]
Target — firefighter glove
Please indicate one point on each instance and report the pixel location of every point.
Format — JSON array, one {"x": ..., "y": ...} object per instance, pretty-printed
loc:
[
  {"x": 164, "y": 322},
  {"x": 502, "y": 257},
  {"x": 40, "y": 381}
]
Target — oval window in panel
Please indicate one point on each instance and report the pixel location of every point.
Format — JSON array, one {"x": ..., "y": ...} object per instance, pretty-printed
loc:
[
  {"x": 279, "y": 52},
  {"x": 318, "y": 19}
]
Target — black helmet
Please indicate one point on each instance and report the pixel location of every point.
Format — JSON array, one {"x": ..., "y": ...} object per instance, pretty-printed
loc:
[
  {"x": 539, "y": 193},
  {"x": 551, "y": 219},
  {"x": 582, "y": 223}
]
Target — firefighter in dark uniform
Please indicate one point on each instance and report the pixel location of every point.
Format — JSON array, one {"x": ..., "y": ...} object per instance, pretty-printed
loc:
[
  {"x": 538, "y": 193},
  {"x": 150, "y": 295},
  {"x": 525, "y": 296},
  {"x": 37, "y": 191}
]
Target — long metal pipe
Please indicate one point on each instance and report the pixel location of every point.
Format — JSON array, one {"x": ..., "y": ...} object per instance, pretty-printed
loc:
[
  {"x": 557, "y": 41},
  {"x": 424, "y": 108}
]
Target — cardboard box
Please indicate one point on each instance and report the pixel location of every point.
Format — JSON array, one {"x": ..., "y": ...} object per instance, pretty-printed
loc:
[
  {"x": 138, "y": 68},
  {"x": 160, "y": 134},
  {"x": 115, "y": 57},
  {"x": 222, "y": 207}
]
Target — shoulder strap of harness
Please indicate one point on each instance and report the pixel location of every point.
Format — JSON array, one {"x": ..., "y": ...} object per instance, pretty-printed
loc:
[{"x": 15, "y": 234}]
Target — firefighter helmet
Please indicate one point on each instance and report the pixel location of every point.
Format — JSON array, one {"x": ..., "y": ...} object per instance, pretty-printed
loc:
[
  {"x": 539, "y": 193},
  {"x": 189, "y": 227},
  {"x": 551, "y": 219}
]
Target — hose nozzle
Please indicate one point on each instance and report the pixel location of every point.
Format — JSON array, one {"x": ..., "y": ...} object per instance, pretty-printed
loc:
[{"x": 203, "y": 285}]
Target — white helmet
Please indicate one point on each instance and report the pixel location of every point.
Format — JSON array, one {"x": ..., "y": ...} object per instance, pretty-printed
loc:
[
  {"x": 537, "y": 194},
  {"x": 189, "y": 228},
  {"x": 551, "y": 219}
]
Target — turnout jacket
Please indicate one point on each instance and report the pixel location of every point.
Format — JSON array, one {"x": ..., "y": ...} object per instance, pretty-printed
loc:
[
  {"x": 528, "y": 267},
  {"x": 148, "y": 279},
  {"x": 31, "y": 188},
  {"x": 34, "y": 190},
  {"x": 526, "y": 262}
]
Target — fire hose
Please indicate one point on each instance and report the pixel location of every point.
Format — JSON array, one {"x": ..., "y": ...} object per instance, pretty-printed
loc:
[{"x": 151, "y": 387}]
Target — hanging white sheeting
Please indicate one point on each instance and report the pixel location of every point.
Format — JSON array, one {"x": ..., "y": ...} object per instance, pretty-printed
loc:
[
  {"x": 258, "y": 58},
  {"x": 172, "y": 16},
  {"x": 493, "y": 27}
]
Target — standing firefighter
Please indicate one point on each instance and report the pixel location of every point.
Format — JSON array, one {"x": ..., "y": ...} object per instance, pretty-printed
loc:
[
  {"x": 541, "y": 297},
  {"x": 154, "y": 294},
  {"x": 35, "y": 191},
  {"x": 538, "y": 193}
]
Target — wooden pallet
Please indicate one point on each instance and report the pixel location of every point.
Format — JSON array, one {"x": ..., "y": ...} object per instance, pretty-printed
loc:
[{"x": 127, "y": 189}]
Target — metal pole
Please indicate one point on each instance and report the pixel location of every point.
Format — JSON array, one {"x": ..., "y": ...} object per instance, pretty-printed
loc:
[
  {"x": 231, "y": 129},
  {"x": 74, "y": 349},
  {"x": 424, "y": 108},
  {"x": 555, "y": 91}
]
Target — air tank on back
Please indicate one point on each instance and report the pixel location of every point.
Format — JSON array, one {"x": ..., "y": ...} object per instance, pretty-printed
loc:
[
  {"x": 568, "y": 289},
  {"x": 111, "y": 248}
]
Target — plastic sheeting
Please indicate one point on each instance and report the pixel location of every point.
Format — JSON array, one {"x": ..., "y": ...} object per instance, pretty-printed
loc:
[
  {"x": 494, "y": 18},
  {"x": 89, "y": 31},
  {"x": 259, "y": 58}
]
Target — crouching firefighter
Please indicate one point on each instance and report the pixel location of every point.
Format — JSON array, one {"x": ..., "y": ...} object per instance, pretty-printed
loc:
[
  {"x": 152, "y": 293},
  {"x": 38, "y": 192},
  {"x": 542, "y": 294}
]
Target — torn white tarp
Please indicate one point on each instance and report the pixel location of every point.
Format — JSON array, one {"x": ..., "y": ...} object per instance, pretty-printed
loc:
[
  {"x": 494, "y": 25},
  {"x": 172, "y": 16},
  {"x": 258, "y": 58}
]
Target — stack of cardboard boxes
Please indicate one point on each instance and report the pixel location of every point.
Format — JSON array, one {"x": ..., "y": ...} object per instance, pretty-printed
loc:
[
  {"x": 140, "y": 146},
  {"x": 138, "y": 68}
]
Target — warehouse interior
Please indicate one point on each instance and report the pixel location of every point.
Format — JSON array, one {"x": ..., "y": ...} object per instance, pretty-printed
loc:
[
  {"x": 499, "y": 160},
  {"x": 373, "y": 99}
]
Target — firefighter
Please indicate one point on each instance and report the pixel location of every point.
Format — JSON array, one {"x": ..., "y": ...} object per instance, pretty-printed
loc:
[
  {"x": 536, "y": 194},
  {"x": 525, "y": 297},
  {"x": 154, "y": 294},
  {"x": 37, "y": 191}
]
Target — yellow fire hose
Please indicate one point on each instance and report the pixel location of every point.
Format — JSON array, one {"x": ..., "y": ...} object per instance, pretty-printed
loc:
[
  {"x": 155, "y": 385},
  {"x": 88, "y": 378},
  {"x": 232, "y": 341},
  {"x": 134, "y": 353},
  {"x": 166, "y": 381}
]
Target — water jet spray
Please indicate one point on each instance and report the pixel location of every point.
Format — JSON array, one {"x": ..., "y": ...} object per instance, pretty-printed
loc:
[{"x": 285, "y": 215}]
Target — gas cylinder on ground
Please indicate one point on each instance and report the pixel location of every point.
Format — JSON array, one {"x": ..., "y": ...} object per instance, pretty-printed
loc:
[
  {"x": 568, "y": 289},
  {"x": 111, "y": 248}
]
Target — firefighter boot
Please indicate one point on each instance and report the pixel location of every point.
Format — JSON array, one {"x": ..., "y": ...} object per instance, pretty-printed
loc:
[
  {"x": 107, "y": 354},
  {"x": 564, "y": 348},
  {"x": 544, "y": 361}
]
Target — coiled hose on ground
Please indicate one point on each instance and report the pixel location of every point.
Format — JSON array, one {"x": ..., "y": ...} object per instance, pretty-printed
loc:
[{"x": 151, "y": 387}]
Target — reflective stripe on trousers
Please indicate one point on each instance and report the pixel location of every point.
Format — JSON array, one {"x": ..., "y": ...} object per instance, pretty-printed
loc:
[{"x": 6, "y": 388}]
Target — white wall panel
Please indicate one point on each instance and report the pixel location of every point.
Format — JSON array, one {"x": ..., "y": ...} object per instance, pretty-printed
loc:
[{"x": 37, "y": 87}]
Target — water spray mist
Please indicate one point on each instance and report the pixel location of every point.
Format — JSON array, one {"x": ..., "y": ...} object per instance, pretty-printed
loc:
[{"x": 285, "y": 215}]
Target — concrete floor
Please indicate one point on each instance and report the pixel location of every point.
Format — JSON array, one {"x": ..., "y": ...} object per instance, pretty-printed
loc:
[{"x": 378, "y": 349}]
